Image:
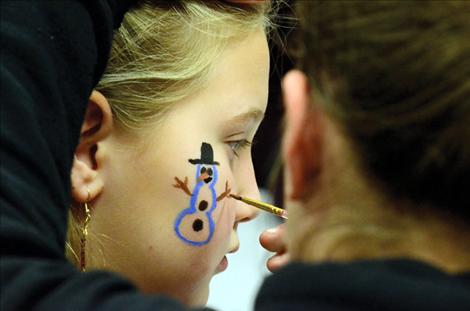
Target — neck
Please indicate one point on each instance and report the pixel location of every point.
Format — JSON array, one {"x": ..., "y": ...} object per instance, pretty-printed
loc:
[
  {"x": 345, "y": 219},
  {"x": 357, "y": 225}
]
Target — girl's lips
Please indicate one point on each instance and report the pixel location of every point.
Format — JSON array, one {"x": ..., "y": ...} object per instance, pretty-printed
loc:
[{"x": 222, "y": 265}]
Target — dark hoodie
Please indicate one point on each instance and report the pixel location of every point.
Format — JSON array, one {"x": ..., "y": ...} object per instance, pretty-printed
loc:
[
  {"x": 364, "y": 285},
  {"x": 52, "y": 55}
]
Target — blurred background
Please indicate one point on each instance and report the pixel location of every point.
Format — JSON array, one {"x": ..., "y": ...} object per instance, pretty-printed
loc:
[{"x": 236, "y": 288}]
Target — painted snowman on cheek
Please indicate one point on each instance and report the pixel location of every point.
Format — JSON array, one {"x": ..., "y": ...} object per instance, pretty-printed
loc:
[{"x": 195, "y": 225}]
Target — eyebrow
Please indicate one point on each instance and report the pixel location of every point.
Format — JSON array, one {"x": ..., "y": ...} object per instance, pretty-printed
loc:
[
  {"x": 255, "y": 114},
  {"x": 239, "y": 121}
]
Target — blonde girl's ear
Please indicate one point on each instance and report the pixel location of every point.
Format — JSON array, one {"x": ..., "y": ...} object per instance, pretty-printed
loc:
[{"x": 87, "y": 166}]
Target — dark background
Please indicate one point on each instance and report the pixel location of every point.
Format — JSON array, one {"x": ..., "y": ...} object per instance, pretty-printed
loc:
[{"x": 267, "y": 142}]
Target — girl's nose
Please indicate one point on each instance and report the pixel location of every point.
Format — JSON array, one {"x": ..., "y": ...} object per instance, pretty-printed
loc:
[
  {"x": 247, "y": 188},
  {"x": 247, "y": 212}
]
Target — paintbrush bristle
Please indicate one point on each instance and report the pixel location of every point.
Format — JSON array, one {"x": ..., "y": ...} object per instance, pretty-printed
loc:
[{"x": 236, "y": 197}]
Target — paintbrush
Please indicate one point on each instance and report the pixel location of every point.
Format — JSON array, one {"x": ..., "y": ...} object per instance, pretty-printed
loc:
[{"x": 261, "y": 205}]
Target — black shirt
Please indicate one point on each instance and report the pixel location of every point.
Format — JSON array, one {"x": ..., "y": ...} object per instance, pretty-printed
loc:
[{"x": 364, "y": 285}]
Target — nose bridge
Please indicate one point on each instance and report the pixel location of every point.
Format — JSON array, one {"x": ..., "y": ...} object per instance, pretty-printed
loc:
[
  {"x": 247, "y": 183},
  {"x": 248, "y": 187}
]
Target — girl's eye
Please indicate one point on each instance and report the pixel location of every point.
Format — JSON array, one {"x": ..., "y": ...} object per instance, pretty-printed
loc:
[{"x": 238, "y": 145}]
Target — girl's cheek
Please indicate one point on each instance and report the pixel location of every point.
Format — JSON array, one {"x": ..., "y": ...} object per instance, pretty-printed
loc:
[
  {"x": 225, "y": 186},
  {"x": 225, "y": 221},
  {"x": 225, "y": 213}
]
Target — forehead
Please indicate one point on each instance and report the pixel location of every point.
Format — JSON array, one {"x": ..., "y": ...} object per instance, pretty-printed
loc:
[
  {"x": 239, "y": 79},
  {"x": 237, "y": 84}
]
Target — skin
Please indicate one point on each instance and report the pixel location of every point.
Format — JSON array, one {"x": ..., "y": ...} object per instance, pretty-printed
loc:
[
  {"x": 131, "y": 177},
  {"x": 349, "y": 218},
  {"x": 274, "y": 240}
]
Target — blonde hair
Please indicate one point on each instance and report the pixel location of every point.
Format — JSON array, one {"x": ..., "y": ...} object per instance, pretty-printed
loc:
[{"x": 163, "y": 52}]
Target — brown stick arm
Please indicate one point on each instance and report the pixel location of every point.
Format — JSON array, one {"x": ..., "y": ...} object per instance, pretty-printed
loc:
[
  {"x": 182, "y": 185},
  {"x": 225, "y": 193}
]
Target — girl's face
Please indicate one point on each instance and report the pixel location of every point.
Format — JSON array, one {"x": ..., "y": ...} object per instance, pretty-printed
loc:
[{"x": 164, "y": 219}]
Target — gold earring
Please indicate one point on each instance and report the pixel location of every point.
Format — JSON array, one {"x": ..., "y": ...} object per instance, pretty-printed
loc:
[{"x": 84, "y": 236}]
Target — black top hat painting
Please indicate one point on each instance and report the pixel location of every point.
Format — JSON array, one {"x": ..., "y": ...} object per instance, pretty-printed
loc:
[{"x": 207, "y": 156}]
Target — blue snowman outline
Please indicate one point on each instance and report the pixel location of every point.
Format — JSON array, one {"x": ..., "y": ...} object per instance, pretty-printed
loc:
[{"x": 205, "y": 161}]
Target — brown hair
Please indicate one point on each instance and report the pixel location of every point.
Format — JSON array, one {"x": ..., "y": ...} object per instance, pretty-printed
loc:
[{"x": 396, "y": 75}]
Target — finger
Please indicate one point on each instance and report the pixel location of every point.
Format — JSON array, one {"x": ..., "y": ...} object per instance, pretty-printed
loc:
[
  {"x": 277, "y": 261},
  {"x": 273, "y": 239}
]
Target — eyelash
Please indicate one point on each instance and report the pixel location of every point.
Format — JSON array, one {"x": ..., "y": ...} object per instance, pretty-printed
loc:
[{"x": 238, "y": 145}]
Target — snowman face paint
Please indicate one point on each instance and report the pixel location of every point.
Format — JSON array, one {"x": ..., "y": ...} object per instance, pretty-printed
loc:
[{"x": 194, "y": 225}]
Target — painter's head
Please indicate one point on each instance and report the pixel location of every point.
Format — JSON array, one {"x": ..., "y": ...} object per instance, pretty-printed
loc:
[
  {"x": 384, "y": 95},
  {"x": 167, "y": 137}
]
